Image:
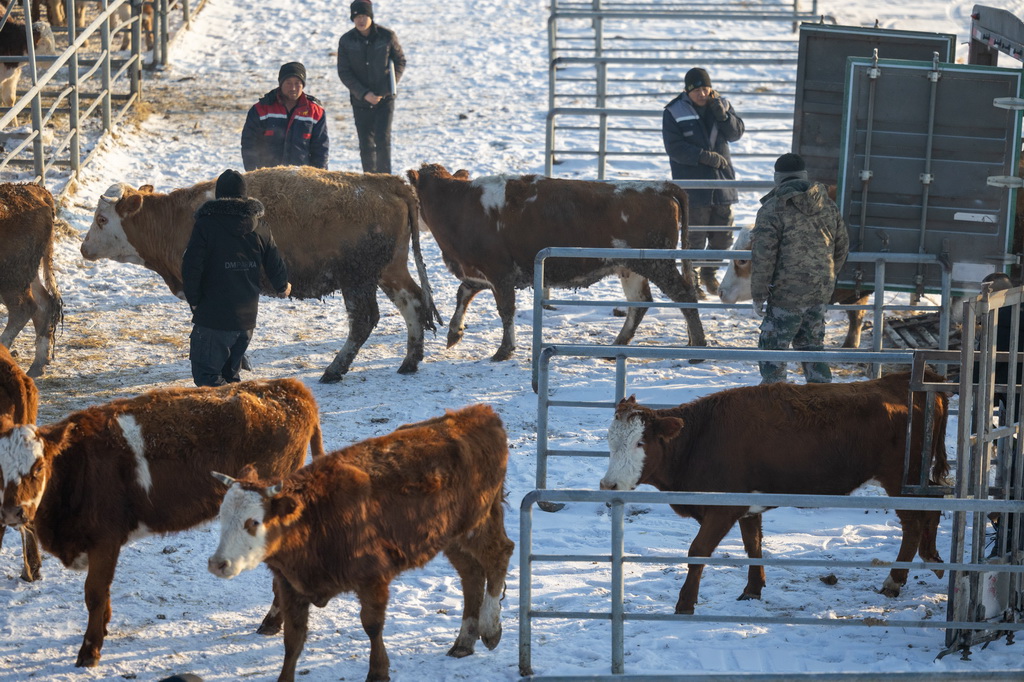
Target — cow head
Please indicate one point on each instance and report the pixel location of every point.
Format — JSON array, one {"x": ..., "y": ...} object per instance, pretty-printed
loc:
[
  {"x": 106, "y": 237},
  {"x": 735, "y": 286},
  {"x": 42, "y": 38},
  {"x": 252, "y": 518},
  {"x": 26, "y": 457},
  {"x": 635, "y": 434}
]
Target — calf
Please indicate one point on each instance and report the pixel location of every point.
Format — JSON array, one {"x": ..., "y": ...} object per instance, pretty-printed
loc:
[
  {"x": 352, "y": 521},
  {"x": 815, "y": 439},
  {"x": 14, "y": 44},
  {"x": 27, "y": 284},
  {"x": 19, "y": 403},
  {"x": 136, "y": 466},
  {"x": 491, "y": 229}
]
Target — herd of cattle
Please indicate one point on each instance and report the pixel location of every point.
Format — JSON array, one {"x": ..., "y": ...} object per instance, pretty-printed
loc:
[{"x": 353, "y": 519}]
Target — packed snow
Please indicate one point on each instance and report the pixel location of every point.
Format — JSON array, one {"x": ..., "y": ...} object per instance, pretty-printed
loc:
[{"x": 474, "y": 97}]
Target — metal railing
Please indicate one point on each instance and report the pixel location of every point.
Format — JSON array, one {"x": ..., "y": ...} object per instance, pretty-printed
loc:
[
  {"x": 87, "y": 89},
  {"x": 617, "y": 558},
  {"x": 585, "y": 64}
]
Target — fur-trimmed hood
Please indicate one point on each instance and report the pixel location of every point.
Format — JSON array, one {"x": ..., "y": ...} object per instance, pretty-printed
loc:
[{"x": 246, "y": 210}]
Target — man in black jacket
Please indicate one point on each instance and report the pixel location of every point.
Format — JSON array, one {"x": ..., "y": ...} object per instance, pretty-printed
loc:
[
  {"x": 287, "y": 127},
  {"x": 364, "y": 55},
  {"x": 697, "y": 127},
  {"x": 221, "y": 272}
]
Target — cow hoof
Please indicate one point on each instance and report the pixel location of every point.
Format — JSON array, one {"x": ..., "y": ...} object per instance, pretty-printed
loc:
[
  {"x": 502, "y": 355},
  {"x": 268, "y": 629},
  {"x": 890, "y": 588},
  {"x": 695, "y": 361},
  {"x": 459, "y": 651},
  {"x": 746, "y": 596},
  {"x": 684, "y": 612},
  {"x": 35, "y": 371},
  {"x": 87, "y": 660},
  {"x": 491, "y": 641},
  {"x": 454, "y": 337},
  {"x": 551, "y": 506},
  {"x": 330, "y": 377},
  {"x": 31, "y": 577},
  {"x": 408, "y": 367}
]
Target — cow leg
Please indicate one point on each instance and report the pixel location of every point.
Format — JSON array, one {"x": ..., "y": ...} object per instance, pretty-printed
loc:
[
  {"x": 9, "y": 88},
  {"x": 927, "y": 549},
  {"x": 713, "y": 527},
  {"x": 505, "y": 297},
  {"x": 20, "y": 308},
  {"x": 102, "y": 562},
  {"x": 636, "y": 288},
  {"x": 471, "y": 573},
  {"x": 373, "y": 603},
  {"x": 44, "y": 321},
  {"x": 31, "y": 561},
  {"x": 482, "y": 562},
  {"x": 468, "y": 290},
  {"x": 271, "y": 624},
  {"x": 911, "y": 521},
  {"x": 295, "y": 610},
  {"x": 363, "y": 315},
  {"x": 681, "y": 289},
  {"x": 408, "y": 299},
  {"x": 750, "y": 528}
]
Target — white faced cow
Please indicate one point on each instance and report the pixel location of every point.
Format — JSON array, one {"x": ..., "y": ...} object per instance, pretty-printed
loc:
[{"x": 336, "y": 231}]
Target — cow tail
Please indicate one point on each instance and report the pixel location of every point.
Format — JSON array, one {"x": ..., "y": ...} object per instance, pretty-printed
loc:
[
  {"x": 940, "y": 465},
  {"x": 421, "y": 269},
  {"x": 56, "y": 302},
  {"x": 316, "y": 441},
  {"x": 678, "y": 194}
]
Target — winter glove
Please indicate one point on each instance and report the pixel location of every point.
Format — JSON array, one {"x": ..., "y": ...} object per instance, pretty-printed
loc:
[
  {"x": 712, "y": 159},
  {"x": 758, "y": 308},
  {"x": 719, "y": 108}
]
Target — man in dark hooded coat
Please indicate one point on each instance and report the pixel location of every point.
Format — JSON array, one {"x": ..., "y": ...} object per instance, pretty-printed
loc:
[{"x": 221, "y": 272}]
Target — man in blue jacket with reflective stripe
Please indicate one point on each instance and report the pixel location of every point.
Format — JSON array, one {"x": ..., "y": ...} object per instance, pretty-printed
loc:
[
  {"x": 697, "y": 127},
  {"x": 287, "y": 127}
]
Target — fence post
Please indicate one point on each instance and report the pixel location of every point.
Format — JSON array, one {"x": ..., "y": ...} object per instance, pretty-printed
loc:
[
  {"x": 135, "y": 73},
  {"x": 105, "y": 69},
  {"x": 74, "y": 100},
  {"x": 37, "y": 106},
  {"x": 618, "y": 587}
]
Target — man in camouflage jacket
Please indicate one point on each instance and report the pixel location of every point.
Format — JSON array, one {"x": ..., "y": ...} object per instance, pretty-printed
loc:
[{"x": 798, "y": 245}]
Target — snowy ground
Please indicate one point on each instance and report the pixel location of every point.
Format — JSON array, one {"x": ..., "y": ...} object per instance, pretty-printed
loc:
[{"x": 474, "y": 97}]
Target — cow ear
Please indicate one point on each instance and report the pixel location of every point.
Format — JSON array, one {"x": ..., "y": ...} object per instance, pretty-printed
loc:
[
  {"x": 248, "y": 473},
  {"x": 668, "y": 428},
  {"x": 129, "y": 205},
  {"x": 625, "y": 406},
  {"x": 461, "y": 174},
  {"x": 57, "y": 437},
  {"x": 146, "y": 189},
  {"x": 413, "y": 176},
  {"x": 285, "y": 509}
]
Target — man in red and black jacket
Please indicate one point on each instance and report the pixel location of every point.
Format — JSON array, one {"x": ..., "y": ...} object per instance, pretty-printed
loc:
[{"x": 286, "y": 127}]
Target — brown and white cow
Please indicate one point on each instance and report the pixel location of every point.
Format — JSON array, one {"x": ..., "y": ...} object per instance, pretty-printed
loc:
[
  {"x": 137, "y": 466},
  {"x": 490, "y": 230},
  {"x": 27, "y": 284},
  {"x": 335, "y": 230},
  {"x": 14, "y": 43},
  {"x": 821, "y": 439},
  {"x": 354, "y": 520},
  {"x": 735, "y": 287},
  {"x": 19, "y": 404}
]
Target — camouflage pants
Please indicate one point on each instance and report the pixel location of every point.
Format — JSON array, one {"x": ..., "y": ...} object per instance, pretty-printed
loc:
[{"x": 804, "y": 328}]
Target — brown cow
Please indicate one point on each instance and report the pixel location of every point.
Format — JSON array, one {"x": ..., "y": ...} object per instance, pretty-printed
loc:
[
  {"x": 19, "y": 404},
  {"x": 490, "y": 230},
  {"x": 821, "y": 439},
  {"x": 137, "y": 466},
  {"x": 14, "y": 43},
  {"x": 335, "y": 230},
  {"x": 354, "y": 520},
  {"x": 27, "y": 285}
]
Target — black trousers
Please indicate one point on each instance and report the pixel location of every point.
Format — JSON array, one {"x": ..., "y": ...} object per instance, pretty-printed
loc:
[
  {"x": 216, "y": 355},
  {"x": 373, "y": 126}
]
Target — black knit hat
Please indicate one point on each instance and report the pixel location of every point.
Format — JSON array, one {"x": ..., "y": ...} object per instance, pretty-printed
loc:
[
  {"x": 790, "y": 166},
  {"x": 231, "y": 183},
  {"x": 292, "y": 69},
  {"x": 697, "y": 78},
  {"x": 361, "y": 7}
]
